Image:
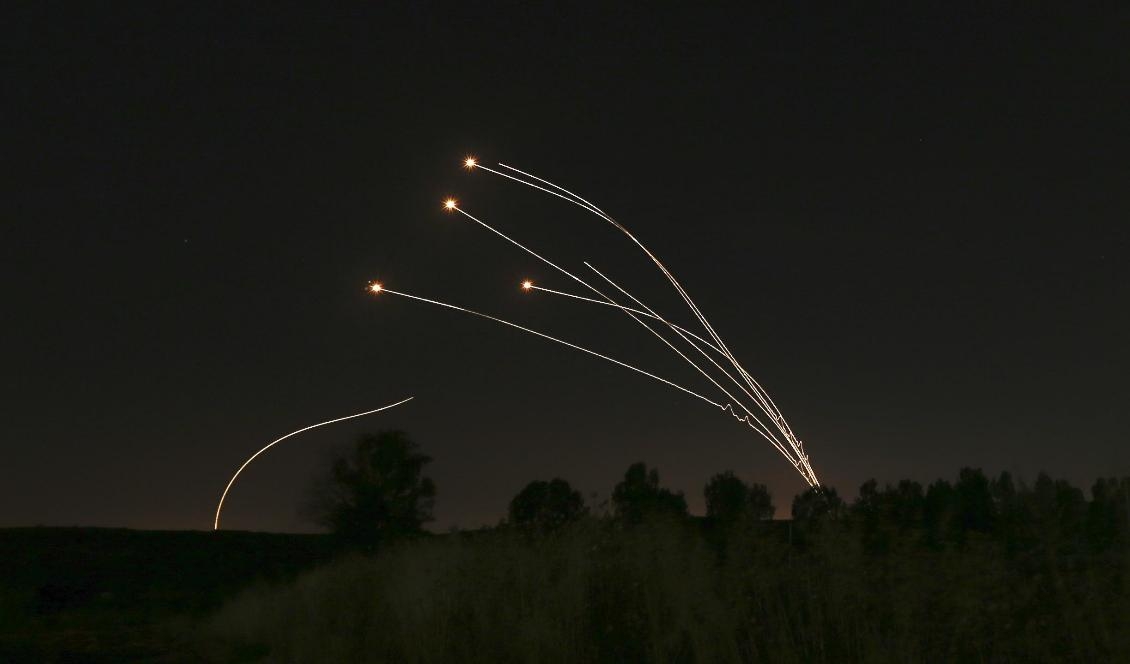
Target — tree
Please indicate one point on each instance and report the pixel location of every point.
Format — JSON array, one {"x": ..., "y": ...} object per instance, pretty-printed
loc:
[
  {"x": 907, "y": 503},
  {"x": 376, "y": 494},
  {"x": 937, "y": 511},
  {"x": 761, "y": 502},
  {"x": 1108, "y": 518},
  {"x": 728, "y": 498},
  {"x": 818, "y": 503},
  {"x": 546, "y": 506},
  {"x": 976, "y": 510},
  {"x": 640, "y": 495}
]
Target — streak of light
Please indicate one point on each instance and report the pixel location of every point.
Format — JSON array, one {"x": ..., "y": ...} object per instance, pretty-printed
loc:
[
  {"x": 548, "y": 191},
  {"x": 759, "y": 427},
  {"x": 547, "y": 182},
  {"x": 638, "y": 312},
  {"x": 679, "y": 331},
  {"x": 764, "y": 431},
  {"x": 216, "y": 523},
  {"x": 760, "y": 402},
  {"x": 556, "y": 340},
  {"x": 778, "y": 418}
]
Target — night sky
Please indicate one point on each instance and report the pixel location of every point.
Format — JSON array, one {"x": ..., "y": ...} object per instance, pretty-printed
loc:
[{"x": 911, "y": 227}]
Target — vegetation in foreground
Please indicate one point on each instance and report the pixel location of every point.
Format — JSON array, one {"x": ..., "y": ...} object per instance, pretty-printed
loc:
[
  {"x": 978, "y": 569},
  {"x": 975, "y": 570},
  {"x": 115, "y": 595}
]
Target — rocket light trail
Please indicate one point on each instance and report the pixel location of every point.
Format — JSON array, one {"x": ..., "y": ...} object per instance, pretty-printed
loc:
[
  {"x": 749, "y": 418},
  {"x": 638, "y": 312},
  {"x": 795, "y": 455},
  {"x": 774, "y": 414},
  {"x": 574, "y": 200},
  {"x": 562, "y": 189},
  {"x": 757, "y": 397},
  {"x": 761, "y": 403},
  {"x": 673, "y": 326},
  {"x": 577, "y": 200},
  {"x": 543, "y": 335},
  {"x": 760, "y": 427},
  {"x": 450, "y": 205},
  {"x": 216, "y": 524}
]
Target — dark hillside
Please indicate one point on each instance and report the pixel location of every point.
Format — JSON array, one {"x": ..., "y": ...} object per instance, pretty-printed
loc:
[{"x": 71, "y": 592}]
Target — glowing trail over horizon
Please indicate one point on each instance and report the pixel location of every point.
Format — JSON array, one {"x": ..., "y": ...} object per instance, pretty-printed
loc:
[
  {"x": 801, "y": 458},
  {"x": 760, "y": 427},
  {"x": 377, "y": 288},
  {"x": 758, "y": 399},
  {"x": 760, "y": 402},
  {"x": 216, "y": 523},
  {"x": 529, "y": 285},
  {"x": 576, "y": 200}
]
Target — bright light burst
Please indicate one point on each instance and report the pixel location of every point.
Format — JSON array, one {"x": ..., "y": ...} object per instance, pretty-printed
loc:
[
  {"x": 527, "y": 285},
  {"x": 375, "y": 287},
  {"x": 449, "y": 205},
  {"x": 470, "y": 162}
]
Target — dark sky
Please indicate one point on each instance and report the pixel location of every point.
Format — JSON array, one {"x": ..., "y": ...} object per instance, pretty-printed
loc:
[{"x": 909, "y": 225}]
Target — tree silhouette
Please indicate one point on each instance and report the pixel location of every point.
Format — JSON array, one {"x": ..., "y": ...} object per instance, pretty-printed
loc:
[
  {"x": 376, "y": 494},
  {"x": 907, "y": 502},
  {"x": 976, "y": 510},
  {"x": 817, "y": 504},
  {"x": 1108, "y": 516},
  {"x": 761, "y": 502},
  {"x": 728, "y": 498},
  {"x": 639, "y": 495},
  {"x": 546, "y": 506},
  {"x": 937, "y": 512}
]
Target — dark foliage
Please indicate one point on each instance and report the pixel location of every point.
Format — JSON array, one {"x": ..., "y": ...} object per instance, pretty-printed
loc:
[
  {"x": 377, "y": 494},
  {"x": 639, "y": 495},
  {"x": 978, "y": 569},
  {"x": 729, "y": 499},
  {"x": 543, "y": 507},
  {"x": 818, "y": 504},
  {"x": 103, "y": 595}
]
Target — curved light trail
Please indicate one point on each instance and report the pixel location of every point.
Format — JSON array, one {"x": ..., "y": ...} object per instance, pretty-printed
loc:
[
  {"x": 216, "y": 523},
  {"x": 377, "y": 288},
  {"x": 796, "y": 454}
]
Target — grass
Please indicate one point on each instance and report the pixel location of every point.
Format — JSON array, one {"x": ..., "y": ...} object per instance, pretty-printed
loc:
[
  {"x": 676, "y": 592},
  {"x": 116, "y": 595}
]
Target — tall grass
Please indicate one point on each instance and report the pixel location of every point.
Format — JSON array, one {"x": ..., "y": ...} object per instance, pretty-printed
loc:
[{"x": 669, "y": 592}]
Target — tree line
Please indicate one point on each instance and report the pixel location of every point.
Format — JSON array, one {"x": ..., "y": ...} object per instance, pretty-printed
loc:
[{"x": 379, "y": 494}]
